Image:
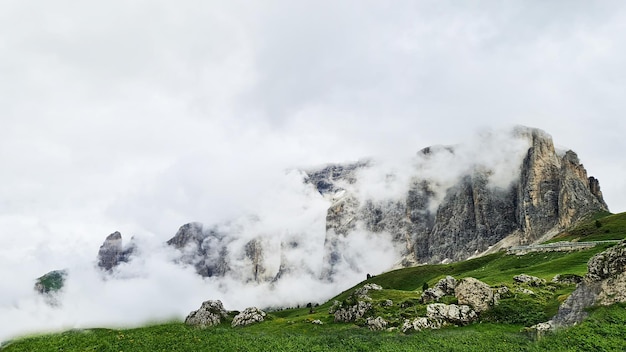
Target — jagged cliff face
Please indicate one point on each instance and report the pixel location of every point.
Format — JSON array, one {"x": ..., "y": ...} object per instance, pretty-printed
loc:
[
  {"x": 217, "y": 251},
  {"x": 112, "y": 252},
  {"x": 548, "y": 191}
]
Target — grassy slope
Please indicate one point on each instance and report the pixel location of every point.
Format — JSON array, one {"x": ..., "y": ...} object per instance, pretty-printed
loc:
[
  {"x": 603, "y": 226},
  {"x": 291, "y": 330}
]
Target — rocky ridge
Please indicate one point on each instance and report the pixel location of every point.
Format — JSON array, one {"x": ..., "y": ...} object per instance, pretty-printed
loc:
[
  {"x": 550, "y": 192},
  {"x": 112, "y": 252}
]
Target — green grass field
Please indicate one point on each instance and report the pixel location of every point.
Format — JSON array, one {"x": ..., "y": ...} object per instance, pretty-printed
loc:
[{"x": 291, "y": 330}]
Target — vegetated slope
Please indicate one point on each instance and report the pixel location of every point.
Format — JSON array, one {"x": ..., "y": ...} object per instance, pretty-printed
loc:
[
  {"x": 292, "y": 330},
  {"x": 601, "y": 227}
]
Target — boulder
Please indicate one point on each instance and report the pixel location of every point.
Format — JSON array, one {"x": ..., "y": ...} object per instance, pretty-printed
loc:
[
  {"x": 249, "y": 316},
  {"x": 352, "y": 313},
  {"x": 210, "y": 313},
  {"x": 442, "y": 288},
  {"x": 376, "y": 324},
  {"x": 452, "y": 313},
  {"x": 317, "y": 322},
  {"x": 422, "y": 323},
  {"x": 537, "y": 331},
  {"x": 362, "y": 292},
  {"x": 567, "y": 279},
  {"x": 475, "y": 293},
  {"x": 529, "y": 280}
]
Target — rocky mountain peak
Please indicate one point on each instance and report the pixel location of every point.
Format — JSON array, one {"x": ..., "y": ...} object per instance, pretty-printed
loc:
[{"x": 112, "y": 252}]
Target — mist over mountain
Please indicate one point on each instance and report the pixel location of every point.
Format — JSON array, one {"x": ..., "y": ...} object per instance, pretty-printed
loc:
[
  {"x": 447, "y": 203},
  {"x": 321, "y": 229}
]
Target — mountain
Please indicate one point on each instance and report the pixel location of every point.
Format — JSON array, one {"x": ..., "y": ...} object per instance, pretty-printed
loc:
[
  {"x": 445, "y": 204},
  {"x": 448, "y": 203},
  {"x": 434, "y": 222}
]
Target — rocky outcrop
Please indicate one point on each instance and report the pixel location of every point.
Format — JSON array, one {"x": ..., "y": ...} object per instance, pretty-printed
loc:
[
  {"x": 112, "y": 252},
  {"x": 567, "y": 279},
  {"x": 361, "y": 292},
  {"x": 352, "y": 313},
  {"x": 249, "y": 316},
  {"x": 529, "y": 280},
  {"x": 376, "y": 324},
  {"x": 451, "y": 313},
  {"x": 475, "y": 293},
  {"x": 422, "y": 323},
  {"x": 205, "y": 249},
  {"x": 439, "y": 315},
  {"x": 436, "y": 221},
  {"x": 604, "y": 284},
  {"x": 443, "y": 287},
  {"x": 210, "y": 314}
]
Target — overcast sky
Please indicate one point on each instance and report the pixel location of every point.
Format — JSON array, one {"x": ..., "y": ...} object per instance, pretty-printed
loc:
[{"x": 140, "y": 116}]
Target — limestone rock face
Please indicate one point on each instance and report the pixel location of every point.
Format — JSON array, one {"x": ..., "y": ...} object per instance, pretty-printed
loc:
[
  {"x": 112, "y": 252},
  {"x": 439, "y": 220},
  {"x": 604, "y": 284},
  {"x": 210, "y": 314},
  {"x": 452, "y": 313},
  {"x": 249, "y": 316},
  {"x": 475, "y": 293},
  {"x": 218, "y": 250}
]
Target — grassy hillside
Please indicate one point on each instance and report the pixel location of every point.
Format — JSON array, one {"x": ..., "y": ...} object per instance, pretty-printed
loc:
[
  {"x": 292, "y": 330},
  {"x": 602, "y": 331},
  {"x": 603, "y": 226}
]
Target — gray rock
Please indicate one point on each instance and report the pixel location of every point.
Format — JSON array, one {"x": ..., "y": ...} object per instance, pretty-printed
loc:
[
  {"x": 362, "y": 291},
  {"x": 317, "y": 322},
  {"x": 249, "y": 316},
  {"x": 376, "y": 324},
  {"x": 442, "y": 288},
  {"x": 604, "y": 284},
  {"x": 529, "y": 280},
  {"x": 540, "y": 330},
  {"x": 204, "y": 249},
  {"x": 452, "y": 313},
  {"x": 334, "y": 307},
  {"x": 423, "y": 323},
  {"x": 475, "y": 293},
  {"x": 112, "y": 252},
  {"x": 210, "y": 314},
  {"x": 567, "y": 279},
  {"x": 352, "y": 313}
]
